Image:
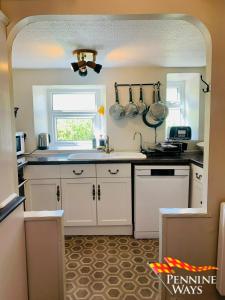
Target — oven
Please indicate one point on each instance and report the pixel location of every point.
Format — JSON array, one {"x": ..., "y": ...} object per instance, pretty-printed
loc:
[{"x": 21, "y": 163}]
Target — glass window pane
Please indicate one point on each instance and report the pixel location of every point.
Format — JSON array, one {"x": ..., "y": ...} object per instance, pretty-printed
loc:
[
  {"x": 74, "y": 129},
  {"x": 74, "y": 102},
  {"x": 173, "y": 95},
  {"x": 174, "y": 117}
]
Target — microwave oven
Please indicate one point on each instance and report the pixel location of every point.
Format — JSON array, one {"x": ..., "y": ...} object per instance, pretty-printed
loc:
[{"x": 20, "y": 147}]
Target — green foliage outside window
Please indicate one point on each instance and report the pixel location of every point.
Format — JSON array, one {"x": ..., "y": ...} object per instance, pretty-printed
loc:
[{"x": 74, "y": 129}]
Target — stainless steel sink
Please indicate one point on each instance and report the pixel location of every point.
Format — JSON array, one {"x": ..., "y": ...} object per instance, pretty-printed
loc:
[{"x": 106, "y": 156}]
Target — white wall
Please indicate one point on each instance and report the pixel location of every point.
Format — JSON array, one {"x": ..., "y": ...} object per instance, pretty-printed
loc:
[
  {"x": 120, "y": 132},
  {"x": 8, "y": 171}
]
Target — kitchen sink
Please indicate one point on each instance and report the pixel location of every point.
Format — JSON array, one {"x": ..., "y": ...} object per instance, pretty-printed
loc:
[
  {"x": 106, "y": 156},
  {"x": 126, "y": 155}
]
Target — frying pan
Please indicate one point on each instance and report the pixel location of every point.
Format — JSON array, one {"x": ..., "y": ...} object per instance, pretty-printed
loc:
[
  {"x": 117, "y": 111},
  {"x": 131, "y": 109},
  {"x": 141, "y": 105},
  {"x": 158, "y": 110},
  {"x": 149, "y": 121}
]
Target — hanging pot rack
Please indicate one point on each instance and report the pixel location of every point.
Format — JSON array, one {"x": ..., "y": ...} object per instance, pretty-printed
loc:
[{"x": 158, "y": 83}]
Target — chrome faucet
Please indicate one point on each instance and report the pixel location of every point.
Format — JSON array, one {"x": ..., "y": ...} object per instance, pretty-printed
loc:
[
  {"x": 137, "y": 132},
  {"x": 107, "y": 148}
]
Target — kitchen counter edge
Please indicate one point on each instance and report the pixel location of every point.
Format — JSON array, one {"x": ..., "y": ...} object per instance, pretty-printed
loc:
[{"x": 181, "y": 160}]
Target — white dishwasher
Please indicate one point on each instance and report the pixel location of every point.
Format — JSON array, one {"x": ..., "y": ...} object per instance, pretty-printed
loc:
[{"x": 157, "y": 187}]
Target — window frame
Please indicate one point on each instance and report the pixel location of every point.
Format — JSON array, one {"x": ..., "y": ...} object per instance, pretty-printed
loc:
[{"x": 98, "y": 122}]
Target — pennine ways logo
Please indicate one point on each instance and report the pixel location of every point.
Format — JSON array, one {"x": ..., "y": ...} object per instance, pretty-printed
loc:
[{"x": 183, "y": 285}]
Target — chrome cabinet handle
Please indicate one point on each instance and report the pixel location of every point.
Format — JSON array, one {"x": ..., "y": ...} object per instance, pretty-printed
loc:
[
  {"x": 22, "y": 183},
  {"x": 93, "y": 192},
  {"x": 78, "y": 173},
  {"x": 99, "y": 192},
  {"x": 198, "y": 176},
  {"x": 113, "y": 173},
  {"x": 58, "y": 193}
]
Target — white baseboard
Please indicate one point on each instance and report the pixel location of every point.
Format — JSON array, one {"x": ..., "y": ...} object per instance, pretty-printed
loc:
[{"x": 98, "y": 230}]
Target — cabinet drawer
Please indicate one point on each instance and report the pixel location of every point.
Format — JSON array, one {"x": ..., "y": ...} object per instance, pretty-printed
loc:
[
  {"x": 77, "y": 171},
  {"x": 113, "y": 170},
  {"x": 197, "y": 173},
  {"x": 42, "y": 172}
]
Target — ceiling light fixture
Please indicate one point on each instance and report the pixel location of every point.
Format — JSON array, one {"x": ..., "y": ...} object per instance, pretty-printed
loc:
[{"x": 81, "y": 64}]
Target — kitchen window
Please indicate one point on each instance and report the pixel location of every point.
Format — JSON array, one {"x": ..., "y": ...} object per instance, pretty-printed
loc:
[
  {"x": 185, "y": 103},
  {"x": 73, "y": 117},
  {"x": 176, "y": 104}
]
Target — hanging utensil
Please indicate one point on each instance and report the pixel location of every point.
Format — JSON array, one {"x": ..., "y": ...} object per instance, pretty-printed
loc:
[
  {"x": 158, "y": 110},
  {"x": 117, "y": 111},
  {"x": 131, "y": 109},
  {"x": 160, "y": 101},
  {"x": 149, "y": 120},
  {"x": 141, "y": 105}
]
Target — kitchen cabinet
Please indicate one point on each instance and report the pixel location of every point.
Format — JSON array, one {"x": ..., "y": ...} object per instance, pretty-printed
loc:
[
  {"x": 43, "y": 188},
  {"x": 79, "y": 201},
  {"x": 89, "y": 194},
  {"x": 196, "y": 187},
  {"x": 43, "y": 194},
  {"x": 79, "y": 194},
  {"x": 114, "y": 194},
  {"x": 114, "y": 201},
  {"x": 97, "y": 201}
]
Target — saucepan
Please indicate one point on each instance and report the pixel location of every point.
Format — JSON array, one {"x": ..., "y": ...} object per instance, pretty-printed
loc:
[
  {"x": 147, "y": 117},
  {"x": 141, "y": 105},
  {"x": 131, "y": 109},
  {"x": 117, "y": 111},
  {"x": 158, "y": 110}
]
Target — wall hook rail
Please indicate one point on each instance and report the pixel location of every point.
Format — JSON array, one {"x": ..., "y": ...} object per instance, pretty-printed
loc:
[
  {"x": 207, "y": 89},
  {"x": 158, "y": 83}
]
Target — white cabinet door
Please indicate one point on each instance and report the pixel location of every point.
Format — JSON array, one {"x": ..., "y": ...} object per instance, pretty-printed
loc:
[
  {"x": 43, "y": 194},
  {"x": 114, "y": 201},
  {"x": 196, "y": 186},
  {"x": 79, "y": 201},
  {"x": 196, "y": 194}
]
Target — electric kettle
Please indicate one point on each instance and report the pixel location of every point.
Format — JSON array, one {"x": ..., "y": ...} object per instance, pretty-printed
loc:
[{"x": 43, "y": 141}]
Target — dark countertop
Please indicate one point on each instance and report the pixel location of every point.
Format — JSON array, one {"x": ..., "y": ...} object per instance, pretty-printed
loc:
[
  {"x": 183, "y": 159},
  {"x": 10, "y": 207}
]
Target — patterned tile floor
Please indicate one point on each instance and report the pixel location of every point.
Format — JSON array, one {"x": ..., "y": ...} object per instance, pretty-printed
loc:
[{"x": 110, "y": 267}]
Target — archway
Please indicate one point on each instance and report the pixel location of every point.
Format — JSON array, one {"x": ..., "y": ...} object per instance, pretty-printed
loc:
[{"x": 200, "y": 26}]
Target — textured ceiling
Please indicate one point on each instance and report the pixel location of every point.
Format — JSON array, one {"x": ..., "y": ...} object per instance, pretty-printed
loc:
[{"x": 120, "y": 43}]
